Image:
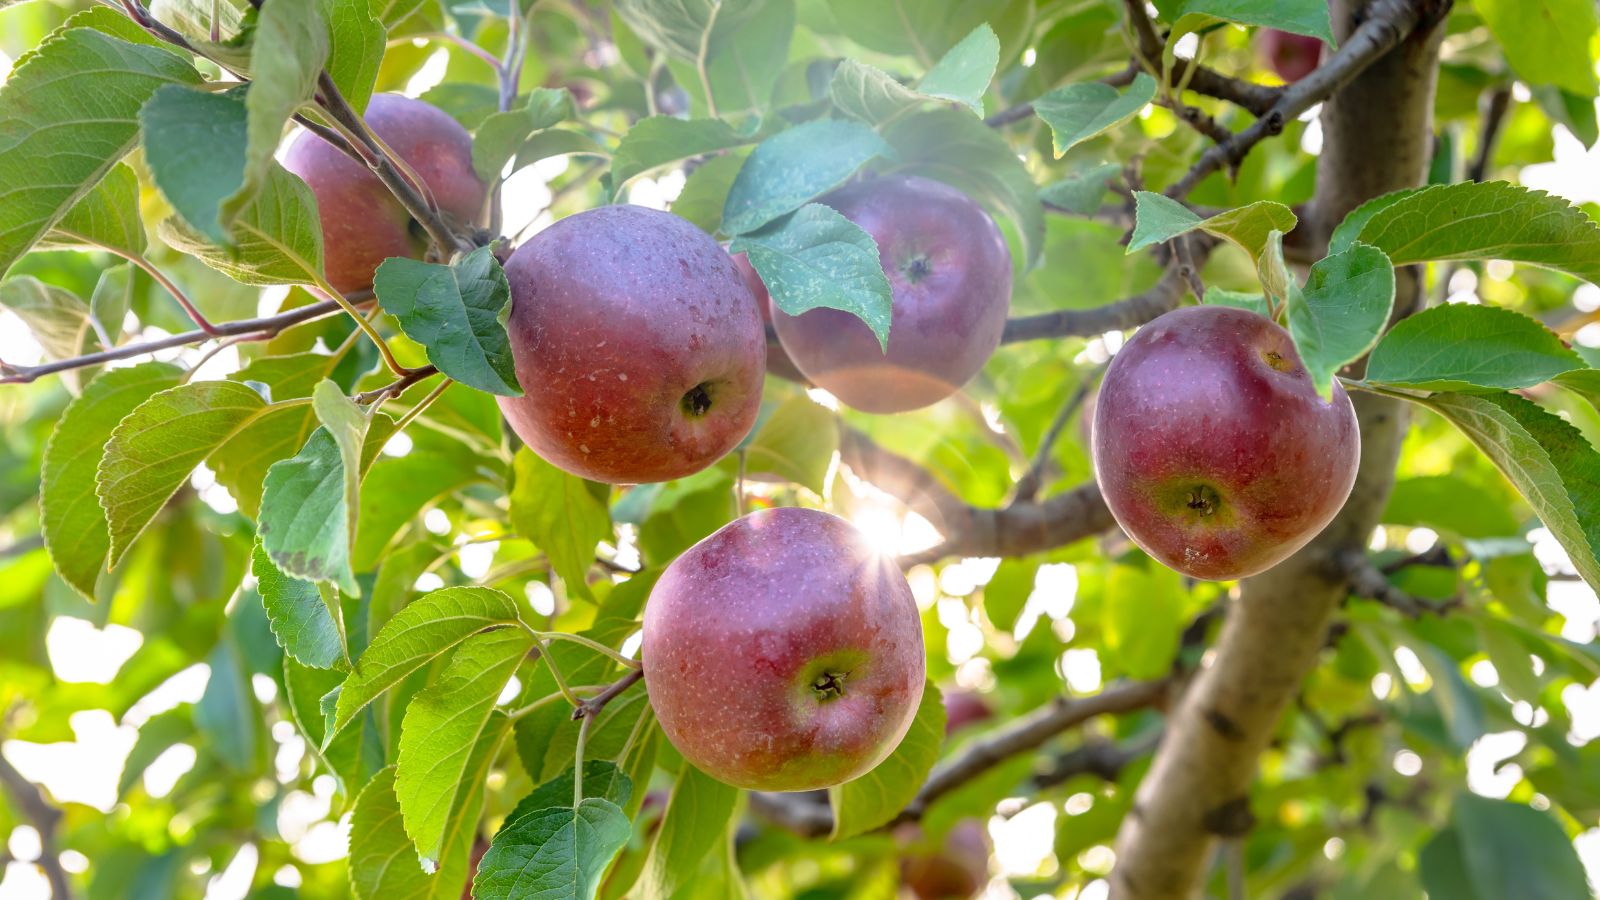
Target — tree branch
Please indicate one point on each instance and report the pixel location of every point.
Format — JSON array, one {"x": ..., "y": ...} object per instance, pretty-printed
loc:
[
  {"x": 1130, "y": 312},
  {"x": 1016, "y": 530},
  {"x": 593, "y": 705},
  {"x": 1367, "y": 580},
  {"x": 1028, "y": 485},
  {"x": 1256, "y": 98},
  {"x": 263, "y": 327},
  {"x": 1377, "y": 132},
  {"x": 803, "y": 815},
  {"x": 46, "y": 819},
  {"x": 1098, "y": 757},
  {"x": 1384, "y": 25}
]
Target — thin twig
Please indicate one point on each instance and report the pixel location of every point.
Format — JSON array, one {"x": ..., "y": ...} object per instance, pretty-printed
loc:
[
  {"x": 1028, "y": 485},
  {"x": 46, "y": 820},
  {"x": 1367, "y": 580},
  {"x": 592, "y": 707},
  {"x": 397, "y": 387},
  {"x": 1247, "y": 95}
]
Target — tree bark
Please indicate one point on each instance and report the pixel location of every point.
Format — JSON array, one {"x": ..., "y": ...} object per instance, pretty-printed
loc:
[{"x": 1377, "y": 138}]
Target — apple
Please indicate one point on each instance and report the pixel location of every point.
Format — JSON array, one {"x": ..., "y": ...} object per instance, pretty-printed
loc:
[
  {"x": 778, "y": 361},
  {"x": 1213, "y": 449},
  {"x": 958, "y": 869},
  {"x": 782, "y": 653},
  {"x": 362, "y": 222},
  {"x": 963, "y": 708},
  {"x": 1292, "y": 56},
  {"x": 638, "y": 348},
  {"x": 950, "y": 272}
]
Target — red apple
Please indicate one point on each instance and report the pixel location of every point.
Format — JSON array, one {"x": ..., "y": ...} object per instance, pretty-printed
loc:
[
  {"x": 362, "y": 222},
  {"x": 963, "y": 708},
  {"x": 1292, "y": 56},
  {"x": 956, "y": 871},
  {"x": 638, "y": 348},
  {"x": 1212, "y": 447},
  {"x": 950, "y": 271},
  {"x": 782, "y": 653},
  {"x": 778, "y": 361}
]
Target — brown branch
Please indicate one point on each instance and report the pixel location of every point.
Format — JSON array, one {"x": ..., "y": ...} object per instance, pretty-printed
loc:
[
  {"x": 1385, "y": 25},
  {"x": 398, "y": 386},
  {"x": 1496, "y": 104},
  {"x": 1367, "y": 580},
  {"x": 592, "y": 706},
  {"x": 266, "y": 326},
  {"x": 1016, "y": 530},
  {"x": 1256, "y": 98},
  {"x": 46, "y": 819},
  {"x": 799, "y": 813},
  {"x": 1130, "y": 312},
  {"x": 1098, "y": 757}
]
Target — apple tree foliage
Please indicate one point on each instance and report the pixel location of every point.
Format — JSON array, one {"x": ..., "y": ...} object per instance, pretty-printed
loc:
[{"x": 389, "y": 612}]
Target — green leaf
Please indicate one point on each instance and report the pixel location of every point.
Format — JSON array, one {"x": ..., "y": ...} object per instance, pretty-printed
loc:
[
  {"x": 497, "y": 140},
  {"x": 795, "y": 166},
  {"x": 226, "y": 715},
  {"x": 1340, "y": 313},
  {"x": 1143, "y": 618},
  {"x": 457, "y": 313},
  {"x": 697, "y": 814},
  {"x": 796, "y": 443},
  {"x": 601, "y": 779},
  {"x": 154, "y": 449},
  {"x": 1487, "y": 220},
  {"x": 442, "y": 724},
  {"x": 383, "y": 862},
  {"x": 396, "y": 490},
  {"x": 280, "y": 431},
  {"x": 357, "y": 754},
  {"x": 1462, "y": 346},
  {"x": 865, "y": 803},
  {"x": 957, "y": 148},
  {"x": 309, "y": 502},
  {"x": 562, "y": 514},
  {"x": 1081, "y": 192},
  {"x": 923, "y": 29},
  {"x": 1158, "y": 218},
  {"x": 744, "y": 57},
  {"x": 1503, "y": 849},
  {"x": 70, "y": 518},
  {"x": 276, "y": 238},
  {"x": 1545, "y": 41},
  {"x": 68, "y": 113},
  {"x": 1349, "y": 231},
  {"x": 1256, "y": 303},
  {"x": 1078, "y": 112},
  {"x": 553, "y": 853},
  {"x": 194, "y": 144},
  {"x": 961, "y": 76},
  {"x": 415, "y": 636},
  {"x": 660, "y": 140},
  {"x": 964, "y": 72},
  {"x": 1008, "y": 591},
  {"x": 112, "y": 298},
  {"x": 356, "y": 41},
  {"x": 681, "y": 28},
  {"x": 1547, "y": 459},
  {"x": 1307, "y": 17},
  {"x": 58, "y": 319},
  {"x": 706, "y": 190},
  {"x": 156, "y": 736},
  {"x": 107, "y": 216},
  {"x": 307, "y": 625},
  {"x": 289, "y": 52},
  {"x": 818, "y": 258}
]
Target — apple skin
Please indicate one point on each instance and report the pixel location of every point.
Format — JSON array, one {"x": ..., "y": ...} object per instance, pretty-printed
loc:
[
  {"x": 782, "y": 653},
  {"x": 1212, "y": 448},
  {"x": 362, "y": 222},
  {"x": 1292, "y": 56},
  {"x": 639, "y": 350},
  {"x": 778, "y": 361},
  {"x": 950, "y": 271}
]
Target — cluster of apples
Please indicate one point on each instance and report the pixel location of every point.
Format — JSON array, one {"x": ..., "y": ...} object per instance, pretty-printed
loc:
[{"x": 782, "y": 652}]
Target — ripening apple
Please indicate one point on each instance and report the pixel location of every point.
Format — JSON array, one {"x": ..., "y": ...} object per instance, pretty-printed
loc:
[
  {"x": 954, "y": 871},
  {"x": 783, "y": 653},
  {"x": 963, "y": 708},
  {"x": 1212, "y": 447},
  {"x": 362, "y": 222},
  {"x": 638, "y": 348},
  {"x": 1292, "y": 56},
  {"x": 950, "y": 273},
  {"x": 778, "y": 361}
]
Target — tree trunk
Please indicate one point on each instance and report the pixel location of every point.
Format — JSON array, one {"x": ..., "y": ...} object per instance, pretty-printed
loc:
[{"x": 1377, "y": 138}]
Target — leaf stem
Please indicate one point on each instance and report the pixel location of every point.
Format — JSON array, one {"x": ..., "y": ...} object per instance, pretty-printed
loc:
[
  {"x": 587, "y": 642},
  {"x": 422, "y": 406},
  {"x": 177, "y": 293},
  {"x": 577, "y": 764},
  {"x": 326, "y": 291},
  {"x": 555, "y": 671}
]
